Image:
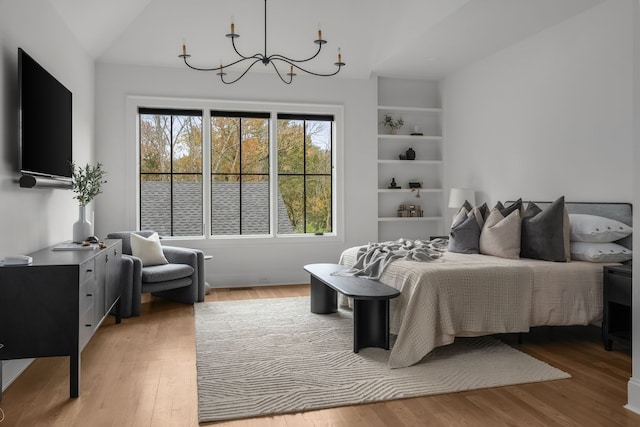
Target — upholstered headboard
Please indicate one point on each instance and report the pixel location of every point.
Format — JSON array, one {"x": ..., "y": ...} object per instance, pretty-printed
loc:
[{"x": 622, "y": 212}]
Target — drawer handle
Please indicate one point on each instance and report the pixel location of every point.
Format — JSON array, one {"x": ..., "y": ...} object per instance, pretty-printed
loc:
[
  {"x": 88, "y": 325},
  {"x": 89, "y": 270},
  {"x": 89, "y": 295}
]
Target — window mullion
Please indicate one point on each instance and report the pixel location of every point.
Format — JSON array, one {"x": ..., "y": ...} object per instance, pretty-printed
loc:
[
  {"x": 273, "y": 173},
  {"x": 206, "y": 172}
]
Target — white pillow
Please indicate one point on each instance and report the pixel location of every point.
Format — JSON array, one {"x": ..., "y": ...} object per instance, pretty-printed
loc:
[
  {"x": 148, "y": 249},
  {"x": 597, "y": 229},
  {"x": 599, "y": 252}
]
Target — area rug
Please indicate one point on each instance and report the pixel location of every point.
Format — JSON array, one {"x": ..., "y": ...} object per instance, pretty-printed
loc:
[{"x": 273, "y": 356}]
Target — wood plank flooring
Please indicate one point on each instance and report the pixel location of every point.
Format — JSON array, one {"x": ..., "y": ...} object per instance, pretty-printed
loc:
[{"x": 142, "y": 373}]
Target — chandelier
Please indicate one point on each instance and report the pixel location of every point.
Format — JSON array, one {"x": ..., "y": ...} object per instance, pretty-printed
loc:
[{"x": 250, "y": 61}]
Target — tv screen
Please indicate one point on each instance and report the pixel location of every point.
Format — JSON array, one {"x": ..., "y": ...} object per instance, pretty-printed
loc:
[{"x": 45, "y": 121}]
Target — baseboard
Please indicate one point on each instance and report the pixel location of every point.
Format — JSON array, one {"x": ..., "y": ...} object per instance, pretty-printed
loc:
[
  {"x": 633, "y": 395},
  {"x": 11, "y": 369}
]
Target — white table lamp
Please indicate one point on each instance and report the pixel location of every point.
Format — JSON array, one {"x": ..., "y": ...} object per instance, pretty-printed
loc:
[{"x": 457, "y": 196}]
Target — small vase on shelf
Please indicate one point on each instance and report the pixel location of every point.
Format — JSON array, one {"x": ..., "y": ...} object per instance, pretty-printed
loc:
[{"x": 82, "y": 227}]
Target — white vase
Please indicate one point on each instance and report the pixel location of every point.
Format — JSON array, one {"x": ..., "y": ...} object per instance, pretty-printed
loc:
[{"x": 82, "y": 227}]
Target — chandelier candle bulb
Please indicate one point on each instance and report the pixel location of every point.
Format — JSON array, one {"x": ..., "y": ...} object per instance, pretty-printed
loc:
[{"x": 184, "y": 49}]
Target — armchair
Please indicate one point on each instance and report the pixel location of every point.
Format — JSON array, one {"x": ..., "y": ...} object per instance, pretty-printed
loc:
[{"x": 181, "y": 280}]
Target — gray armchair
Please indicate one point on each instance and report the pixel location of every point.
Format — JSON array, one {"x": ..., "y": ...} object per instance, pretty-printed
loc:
[{"x": 181, "y": 280}]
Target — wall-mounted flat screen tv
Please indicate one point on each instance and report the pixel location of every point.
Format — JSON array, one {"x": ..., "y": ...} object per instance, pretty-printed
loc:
[{"x": 45, "y": 121}]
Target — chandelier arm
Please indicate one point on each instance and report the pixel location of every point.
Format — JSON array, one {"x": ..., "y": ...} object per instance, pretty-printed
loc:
[
  {"x": 255, "y": 56},
  {"x": 241, "y": 75},
  {"x": 222, "y": 67},
  {"x": 280, "y": 75},
  {"x": 286, "y": 58},
  {"x": 338, "y": 64},
  {"x": 184, "y": 57}
]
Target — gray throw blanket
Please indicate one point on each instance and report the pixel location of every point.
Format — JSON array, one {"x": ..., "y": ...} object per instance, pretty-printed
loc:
[{"x": 373, "y": 258}]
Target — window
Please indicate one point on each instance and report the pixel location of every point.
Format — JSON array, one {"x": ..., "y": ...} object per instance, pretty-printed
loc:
[
  {"x": 240, "y": 202},
  {"x": 261, "y": 173},
  {"x": 171, "y": 171},
  {"x": 305, "y": 172}
]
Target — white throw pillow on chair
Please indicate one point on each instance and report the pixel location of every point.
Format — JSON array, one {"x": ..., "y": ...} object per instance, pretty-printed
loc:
[{"x": 148, "y": 249}]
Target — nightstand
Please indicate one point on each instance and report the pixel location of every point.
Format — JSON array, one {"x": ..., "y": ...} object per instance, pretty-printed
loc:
[{"x": 616, "y": 322}]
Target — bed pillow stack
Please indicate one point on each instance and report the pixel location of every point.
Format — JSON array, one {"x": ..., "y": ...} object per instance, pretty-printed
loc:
[
  {"x": 593, "y": 239},
  {"x": 465, "y": 229}
]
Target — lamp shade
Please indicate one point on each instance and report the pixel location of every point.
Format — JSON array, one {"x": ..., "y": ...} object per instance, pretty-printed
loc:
[{"x": 457, "y": 196}]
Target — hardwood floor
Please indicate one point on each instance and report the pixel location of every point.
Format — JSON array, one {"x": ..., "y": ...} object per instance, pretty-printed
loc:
[{"x": 142, "y": 373}]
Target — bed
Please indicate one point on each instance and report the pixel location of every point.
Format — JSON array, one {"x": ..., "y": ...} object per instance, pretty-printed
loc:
[{"x": 475, "y": 294}]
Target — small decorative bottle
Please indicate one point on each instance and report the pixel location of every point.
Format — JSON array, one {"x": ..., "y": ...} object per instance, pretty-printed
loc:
[{"x": 411, "y": 155}]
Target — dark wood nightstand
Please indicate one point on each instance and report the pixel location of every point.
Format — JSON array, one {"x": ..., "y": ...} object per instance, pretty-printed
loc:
[{"x": 616, "y": 322}]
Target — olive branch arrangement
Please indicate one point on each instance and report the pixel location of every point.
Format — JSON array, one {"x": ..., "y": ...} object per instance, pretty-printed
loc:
[{"x": 87, "y": 182}]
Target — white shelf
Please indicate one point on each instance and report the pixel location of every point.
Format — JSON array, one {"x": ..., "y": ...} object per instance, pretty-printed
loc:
[
  {"x": 410, "y": 137},
  {"x": 412, "y": 109},
  {"x": 409, "y": 190},
  {"x": 409, "y": 162},
  {"x": 410, "y": 219},
  {"x": 417, "y": 103}
]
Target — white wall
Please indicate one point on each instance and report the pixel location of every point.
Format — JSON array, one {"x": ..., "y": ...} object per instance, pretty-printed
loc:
[
  {"x": 237, "y": 264},
  {"x": 557, "y": 114},
  {"x": 549, "y": 116},
  {"x": 634, "y": 383},
  {"x": 34, "y": 218}
]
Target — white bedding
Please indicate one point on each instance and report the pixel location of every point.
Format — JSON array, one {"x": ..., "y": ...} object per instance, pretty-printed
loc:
[{"x": 473, "y": 295}]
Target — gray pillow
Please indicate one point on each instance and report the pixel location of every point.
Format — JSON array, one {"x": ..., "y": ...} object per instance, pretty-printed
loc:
[
  {"x": 465, "y": 235},
  {"x": 543, "y": 232}
]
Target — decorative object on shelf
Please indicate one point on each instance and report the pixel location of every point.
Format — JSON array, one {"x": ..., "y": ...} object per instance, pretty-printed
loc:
[
  {"x": 411, "y": 155},
  {"x": 409, "y": 211},
  {"x": 87, "y": 184},
  {"x": 416, "y": 131},
  {"x": 402, "y": 156},
  {"x": 394, "y": 185},
  {"x": 265, "y": 58},
  {"x": 392, "y": 124},
  {"x": 415, "y": 187}
]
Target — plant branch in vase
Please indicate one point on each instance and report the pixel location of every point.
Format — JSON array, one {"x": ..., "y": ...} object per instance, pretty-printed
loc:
[
  {"x": 87, "y": 184},
  {"x": 392, "y": 124}
]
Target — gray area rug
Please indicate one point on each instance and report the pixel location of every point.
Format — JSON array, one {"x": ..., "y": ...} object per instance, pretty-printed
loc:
[{"x": 273, "y": 356}]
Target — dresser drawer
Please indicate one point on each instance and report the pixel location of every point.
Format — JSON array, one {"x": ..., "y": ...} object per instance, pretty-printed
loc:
[
  {"x": 86, "y": 327},
  {"x": 86, "y": 296},
  {"x": 87, "y": 271}
]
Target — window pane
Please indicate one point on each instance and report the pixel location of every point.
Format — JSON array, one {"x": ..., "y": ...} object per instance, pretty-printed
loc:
[
  {"x": 255, "y": 204},
  {"x": 225, "y": 145},
  {"x": 291, "y": 202},
  {"x": 187, "y": 145},
  {"x": 155, "y": 143},
  {"x": 240, "y": 174},
  {"x": 291, "y": 146},
  {"x": 225, "y": 205},
  {"x": 318, "y": 204},
  {"x": 170, "y": 142},
  {"x": 255, "y": 146},
  {"x": 187, "y": 202},
  {"x": 318, "y": 147},
  {"x": 155, "y": 203}
]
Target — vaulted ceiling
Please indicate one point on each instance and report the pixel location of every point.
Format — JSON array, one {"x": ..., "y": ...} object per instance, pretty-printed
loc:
[{"x": 403, "y": 38}]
